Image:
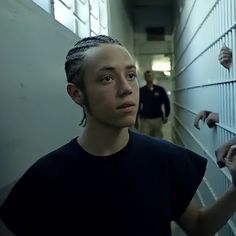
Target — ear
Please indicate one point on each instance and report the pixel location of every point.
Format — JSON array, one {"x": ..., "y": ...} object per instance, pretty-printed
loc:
[{"x": 75, "y": 93}]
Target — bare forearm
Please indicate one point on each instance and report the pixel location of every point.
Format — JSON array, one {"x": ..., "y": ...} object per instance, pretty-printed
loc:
[{"x": 213, "y": 218}]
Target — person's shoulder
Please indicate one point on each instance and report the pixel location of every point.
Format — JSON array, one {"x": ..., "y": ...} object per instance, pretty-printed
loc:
[
  {"x": 143, "y": 87},
  {"x": 150, "y": 142},
  {"x": 59, "y": 155},
  {"x": 161, "y": 147},
  {"x": 158, "y": 87}
]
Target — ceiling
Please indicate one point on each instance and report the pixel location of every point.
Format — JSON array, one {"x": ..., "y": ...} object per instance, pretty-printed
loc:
[
  {"x": 151, "y": 2},
  {"x": 152, "y": 14}
]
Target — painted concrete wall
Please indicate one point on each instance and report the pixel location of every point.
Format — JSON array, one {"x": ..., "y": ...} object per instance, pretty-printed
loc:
[
  {"x": 120, "y": 23},
  {"x": 37, "y": 115}
]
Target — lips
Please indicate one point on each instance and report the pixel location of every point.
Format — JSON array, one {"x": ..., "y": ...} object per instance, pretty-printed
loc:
[{"x": 125, "y": 105}]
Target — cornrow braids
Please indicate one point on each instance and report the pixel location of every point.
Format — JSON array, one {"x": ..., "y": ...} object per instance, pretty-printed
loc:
[{"x": 74, "y": 65}]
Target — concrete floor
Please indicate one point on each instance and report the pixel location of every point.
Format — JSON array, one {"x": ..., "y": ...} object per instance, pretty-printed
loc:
[{"x": 166, "y": 129}]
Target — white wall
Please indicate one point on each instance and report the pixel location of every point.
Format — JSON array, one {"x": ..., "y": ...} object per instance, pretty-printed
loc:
[
  {"x": 120, "y": 25},
  {"x": 37, "y": 115}
]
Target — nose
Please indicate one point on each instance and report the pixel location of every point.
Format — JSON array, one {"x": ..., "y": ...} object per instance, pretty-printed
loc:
[{"x": 124, "y": 87}]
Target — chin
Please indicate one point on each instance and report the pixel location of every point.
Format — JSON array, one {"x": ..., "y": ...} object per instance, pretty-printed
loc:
[{"x": 126, "y": 123}]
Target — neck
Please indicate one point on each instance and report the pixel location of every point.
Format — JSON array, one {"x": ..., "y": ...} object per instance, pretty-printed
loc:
[
  {"x": 101, "y": 140},
  {"x": 150, "y": 85}
]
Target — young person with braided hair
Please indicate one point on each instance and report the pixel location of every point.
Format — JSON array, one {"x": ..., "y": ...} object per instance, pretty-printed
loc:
[{"x": 110, "y": 180}]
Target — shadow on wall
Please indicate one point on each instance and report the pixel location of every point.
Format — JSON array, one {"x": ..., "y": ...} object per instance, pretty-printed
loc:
[{"x": 3, "y": 194}]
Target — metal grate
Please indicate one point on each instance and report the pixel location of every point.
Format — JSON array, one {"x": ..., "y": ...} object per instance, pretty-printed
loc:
[{"x": 201, "y": 83}]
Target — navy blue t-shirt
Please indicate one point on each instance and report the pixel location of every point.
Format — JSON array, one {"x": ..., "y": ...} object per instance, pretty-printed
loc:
[
  {"x": 136, "y": 191},
  {"x": 151, "y": 102}
]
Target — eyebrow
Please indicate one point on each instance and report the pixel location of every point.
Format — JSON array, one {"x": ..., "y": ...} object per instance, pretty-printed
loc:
[{"x": 111, "y": 68}]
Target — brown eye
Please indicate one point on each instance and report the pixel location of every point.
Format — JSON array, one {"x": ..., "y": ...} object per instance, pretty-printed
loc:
[
  {"x": 132, "y": 76},
  {"x": 107, "y": 78}
]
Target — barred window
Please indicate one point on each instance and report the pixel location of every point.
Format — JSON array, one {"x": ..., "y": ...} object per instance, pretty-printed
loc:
[{"x": 83, "y": 17}]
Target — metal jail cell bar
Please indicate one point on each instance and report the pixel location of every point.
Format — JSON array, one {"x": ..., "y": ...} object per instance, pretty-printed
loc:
[{"x": 198, "y": 76}]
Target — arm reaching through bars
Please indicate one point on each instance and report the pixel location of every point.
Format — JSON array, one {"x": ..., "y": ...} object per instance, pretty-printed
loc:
[
  {"x": 211, "y": 118},
  {"x": 225, "y": 57},
  {"x": 208, "y": 221},
  {"x": 224, "y": 151}
]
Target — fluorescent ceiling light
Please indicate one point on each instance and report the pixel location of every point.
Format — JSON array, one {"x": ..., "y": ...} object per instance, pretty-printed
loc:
[
  {"x": 161, "y": 66},
  {"x": 167, "y": 73}
]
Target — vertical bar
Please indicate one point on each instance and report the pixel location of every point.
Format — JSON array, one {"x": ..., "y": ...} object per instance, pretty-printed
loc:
[
  {"x": 229, "y": 13},
  {"x": 224, "y": 17},
  {"x": 218, "y": 21},
  {"x": 218, "y": 136},
  {"x": 218, "y": 66},
  {"x": 231, "y": 46},
  {"x": 216, "y": 44},
  {"x": 228, "y": 43},
  {"x": 211, "y": 58},
  {"x": 214, "y": 25},
  {"x": 228, "y": 135},
  {"x": 234, "y": 56},
  {"x": 234, "y": 104},
  {"x": 219, "y": 17},
  {"x": 224, "y": 104},
  {"x": 224, "y": 70},
  {"x": 228, "y": 105},
  {"x": 215, "y": 20},
  {"x": 231, "y": 105},
  {"x": 220, "y": 102},
  {"x": 233, "y": 11},
  {"x": 221, "y": 67},
  {"x": 209, "y": 29},
  {"x": 219, "y": 111}
]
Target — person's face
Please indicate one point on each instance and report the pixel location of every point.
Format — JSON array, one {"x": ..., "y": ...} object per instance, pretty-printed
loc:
[
  {"x": 149, "y": 77},
  {"x": 111, "y": 87}
]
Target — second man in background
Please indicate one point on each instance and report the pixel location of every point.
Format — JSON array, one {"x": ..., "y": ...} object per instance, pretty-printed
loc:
[{"x": 154, "y": 107}]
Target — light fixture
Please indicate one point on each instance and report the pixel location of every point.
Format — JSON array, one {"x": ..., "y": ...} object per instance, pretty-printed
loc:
[
  {"x": 161, "y": 64},
  {"x": 167, "y": 73}
]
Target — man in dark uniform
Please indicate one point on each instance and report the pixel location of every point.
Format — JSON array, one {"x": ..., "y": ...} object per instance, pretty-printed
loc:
[{"x": 154, "y": 107}]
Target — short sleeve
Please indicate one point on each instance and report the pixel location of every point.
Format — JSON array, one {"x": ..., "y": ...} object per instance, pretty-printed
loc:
[
  {"x": 23, "y": 209},
  {"x": 187, "y": 172}
]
